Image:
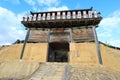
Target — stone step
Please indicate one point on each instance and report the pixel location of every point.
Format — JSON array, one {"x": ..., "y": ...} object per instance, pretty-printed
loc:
[{"x": 50, "y": 71}]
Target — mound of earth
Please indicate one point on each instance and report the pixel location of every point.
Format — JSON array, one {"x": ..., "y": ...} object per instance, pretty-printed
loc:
[
  {"x": 93, "y": 74},
  {"x": 53, "y": 71},
  {"x": 11, "y": 68}
]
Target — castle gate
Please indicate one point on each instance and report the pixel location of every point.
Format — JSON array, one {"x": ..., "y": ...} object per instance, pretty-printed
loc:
[{"x": 62, "y": 29}]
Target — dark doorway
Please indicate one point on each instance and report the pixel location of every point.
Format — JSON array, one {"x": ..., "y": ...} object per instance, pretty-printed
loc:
[{"x": 58, "y": 52}]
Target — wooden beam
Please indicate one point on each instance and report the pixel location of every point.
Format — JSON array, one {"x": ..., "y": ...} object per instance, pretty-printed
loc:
[
  {"x": 97, "y": 46},
  {"x": 70, "y": 29},
  {"x": 25, "y": 41},
  {"x": 48, "y": 40}
]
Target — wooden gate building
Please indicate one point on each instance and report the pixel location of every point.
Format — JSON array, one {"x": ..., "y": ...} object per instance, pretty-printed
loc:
[{"x": 62, "y": 31}]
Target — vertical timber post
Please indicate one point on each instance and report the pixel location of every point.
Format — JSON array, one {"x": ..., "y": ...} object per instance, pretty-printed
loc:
[
  {"x": 97, "y": 45},
  {"x": 70, "y": 35},
  {"x": 25, "y": 41},
  {"x": 70, "y": 41},
  {"x": 48, "y": 50},
  {"x": 48, "y": 39}
]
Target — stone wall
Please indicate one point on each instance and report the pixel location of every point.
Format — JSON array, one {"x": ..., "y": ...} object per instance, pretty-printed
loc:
[
  {"x": 110, "y": 57},
  {"x": 34, "y": 52},
  {"x": 10, "y": 53},
  {"x": 83, "y": 54}
]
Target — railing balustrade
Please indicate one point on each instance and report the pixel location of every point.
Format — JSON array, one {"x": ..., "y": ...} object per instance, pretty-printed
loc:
[{"x": 62, "y": 15}]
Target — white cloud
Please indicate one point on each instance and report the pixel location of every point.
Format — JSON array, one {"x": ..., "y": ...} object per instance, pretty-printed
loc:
[
  {"x": 114, "y": 42},
  {"x": 109, "y": 29},
  {"x": 30, "y": 2},
  {"x": 47, "y": 5},
  {"x": 112, "y": 21},
  {"x": 43, "y": 2},
  {"x": 10, "y": 27},
  {"x": 104, "y": 34},
  {"x": 57, "y": 8},
  {"x": 48, "y": 2},
  {"x": 51, "y": 8}
]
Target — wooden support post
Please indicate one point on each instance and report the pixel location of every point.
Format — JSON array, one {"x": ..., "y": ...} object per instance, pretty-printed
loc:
[
  {"x": 70, "y": 35},
  {"x": 48, "y": 48},
  {"x": 25, "y": 41},
  {"x": 97, "y": 45},
  {"x": 48, "y": 39},
  {"x": 69, "y": 43}
]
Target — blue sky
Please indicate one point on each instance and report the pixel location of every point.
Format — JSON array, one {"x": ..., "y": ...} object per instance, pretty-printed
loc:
[{"x": 12, "y": 11}]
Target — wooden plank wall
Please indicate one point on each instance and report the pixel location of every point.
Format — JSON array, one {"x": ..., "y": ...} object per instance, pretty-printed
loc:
[
  {"x": 59, "y": 37},
  {"x": 38, "y": 36},
  {"x": 85, "y": 34},
  {"x": 78, "y": 35}
]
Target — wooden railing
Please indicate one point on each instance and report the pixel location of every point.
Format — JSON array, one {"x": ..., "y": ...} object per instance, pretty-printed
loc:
[{"x": 71, "y": 15}]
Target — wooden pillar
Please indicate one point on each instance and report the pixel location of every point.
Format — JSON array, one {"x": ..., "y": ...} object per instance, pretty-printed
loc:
[
  {"x": 48, "y": 48},
  {"x": 70, "y": 35},
  {"x": 48, "y": 39},
  {"x": 25, "y": 41},
  {"x": 69, "y": 54},
  {"x": 97, "y": 45}
]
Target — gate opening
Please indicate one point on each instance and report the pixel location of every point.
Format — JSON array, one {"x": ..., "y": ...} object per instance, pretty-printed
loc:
[{"x": 58, "y": 52}]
